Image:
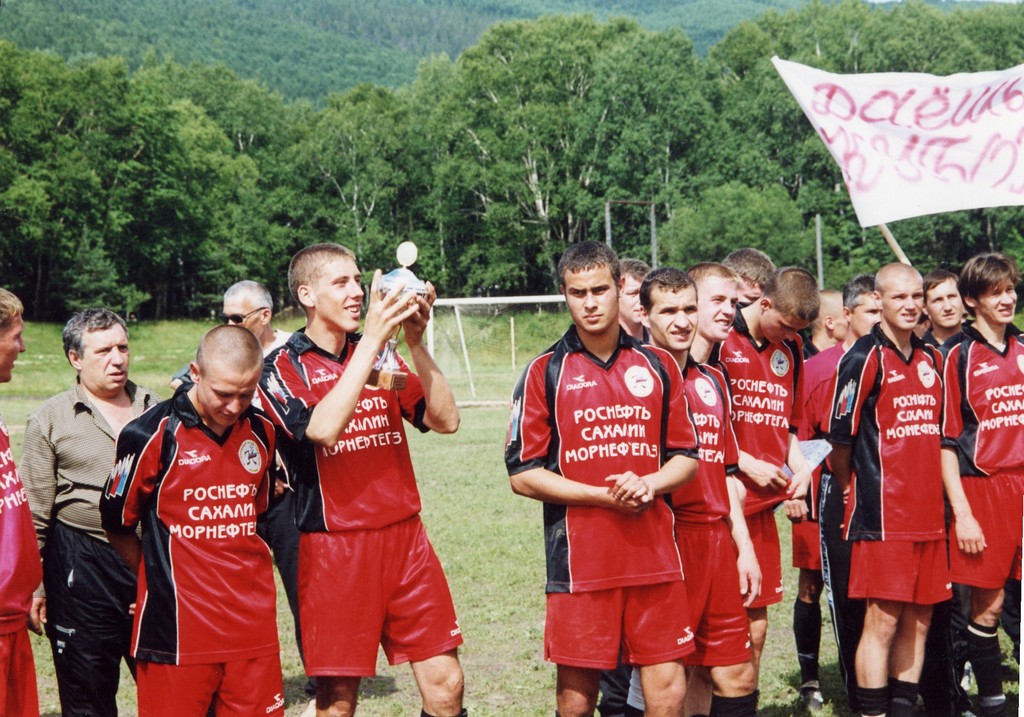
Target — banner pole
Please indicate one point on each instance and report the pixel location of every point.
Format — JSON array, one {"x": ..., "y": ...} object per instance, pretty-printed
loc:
[{"x": 891, "y": 241}]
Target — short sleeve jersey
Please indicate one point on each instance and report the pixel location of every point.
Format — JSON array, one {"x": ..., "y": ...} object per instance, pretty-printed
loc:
[
  {"x": 363, "y": 482},
  {"x": 206, "y": 585},
  {"x": 705, "y": 499},
  {"x": 819, "y": 377},
  {"x": 889, "y": 409},
  {"x": 984, "y": 410},
  {"x": 20, "y": 569},
  {"x": 765, "y": 382},
  {"x": 587, "y": 419}
]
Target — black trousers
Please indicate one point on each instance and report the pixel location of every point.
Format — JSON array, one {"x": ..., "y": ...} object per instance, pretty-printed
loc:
[
  {"x": 278, "y": 530},
  {"x": 847, "y": 614},
  {"x": 88, "y": 593}
]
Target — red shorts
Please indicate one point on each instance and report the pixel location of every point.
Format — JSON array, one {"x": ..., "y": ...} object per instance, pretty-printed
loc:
[
  {"x": 900, "y": 570},
  {"x": 362, "y": 588},
  {"x": 713, "y": 590},
  {"x": 240, "y": 688},
  {"x": 764, "y": 534},
  {"x": 650, "y": 622},
  {"x": 807, "y": 545},
  {"x": 18, "y": 696},
  {"x": 996, "y": 505}
]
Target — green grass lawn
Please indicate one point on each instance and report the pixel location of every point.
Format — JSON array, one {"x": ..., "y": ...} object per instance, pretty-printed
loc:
[{"x": 489, "y": 540}]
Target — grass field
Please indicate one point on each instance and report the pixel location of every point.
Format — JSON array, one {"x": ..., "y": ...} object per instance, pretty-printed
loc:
[{"x": 489, "y": 540}]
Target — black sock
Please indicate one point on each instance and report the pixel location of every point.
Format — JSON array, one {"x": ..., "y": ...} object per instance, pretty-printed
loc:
[
  {"x": 745, "y": 706},
  {"x": 902, "y": 698},
  {"x": 807, "y": 631},
  {"x": 873, "y": 700},
  {"x": 985, "y": 656}
]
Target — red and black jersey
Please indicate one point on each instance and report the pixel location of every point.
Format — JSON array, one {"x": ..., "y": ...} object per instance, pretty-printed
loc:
[
  {"x": 363, "y": 482},
  {"x": 819, "y": 378},
  {"x": 587, "y": 419},
  {"x": 765, "y": 382},
  {"x": 984, "y": 411},
  {"x": 206, "y": 584},
  {"x": 20, "y": 568},
  {"x": 889, "y": 409},
  {"x": 705, "y": 499}
]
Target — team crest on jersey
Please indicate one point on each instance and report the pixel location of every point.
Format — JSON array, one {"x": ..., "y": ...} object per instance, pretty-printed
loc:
[
  {"x": 926, "y": 374},
  {"x": 1020, "y": 362},
  {"x": 705, "y": 391},
  {"x": 249, "y": 455},
  {"x": 844, "y": 404},
  {"x": 779, "y": 363},
  {"x": 639, "y": 381},
  {"x": 119, "y": 476}
]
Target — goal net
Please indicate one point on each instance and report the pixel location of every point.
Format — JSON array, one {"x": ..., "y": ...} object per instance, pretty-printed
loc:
[{"x": 483, "y": 344}]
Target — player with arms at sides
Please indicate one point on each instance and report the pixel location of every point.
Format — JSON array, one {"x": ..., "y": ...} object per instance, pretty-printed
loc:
[
  {"x": 195, "y": 471},
  {"x": 358, "y": 505},
  {"x": 599, "y": 431},
  {"x": 718, "y": 557},
  {"x": 763, "y": 360},
  {"x": 20, "y": 568},
  {"x": 861, "y": 313},
  {"x": 886, "y": 410},
  {"x": 983, "y": 458}
]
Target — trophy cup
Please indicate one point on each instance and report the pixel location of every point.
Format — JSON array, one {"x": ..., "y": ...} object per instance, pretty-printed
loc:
[{"x": 387, "y": 373}]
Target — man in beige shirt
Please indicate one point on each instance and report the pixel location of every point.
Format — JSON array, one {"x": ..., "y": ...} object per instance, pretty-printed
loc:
[{"x": 67, "y": 454}]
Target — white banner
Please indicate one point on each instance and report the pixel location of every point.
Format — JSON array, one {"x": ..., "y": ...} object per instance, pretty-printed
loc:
[{"x": 911, "y": 144}]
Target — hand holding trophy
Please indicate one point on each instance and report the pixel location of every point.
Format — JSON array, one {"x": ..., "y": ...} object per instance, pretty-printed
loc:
[{"x": 387, "y": 372}]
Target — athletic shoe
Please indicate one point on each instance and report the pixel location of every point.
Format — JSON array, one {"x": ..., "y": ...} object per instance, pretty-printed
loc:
[{"x": 810, "y": 695}]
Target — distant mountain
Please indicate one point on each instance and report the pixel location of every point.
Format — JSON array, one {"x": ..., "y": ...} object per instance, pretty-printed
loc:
[{"x": 307, "y": 49}]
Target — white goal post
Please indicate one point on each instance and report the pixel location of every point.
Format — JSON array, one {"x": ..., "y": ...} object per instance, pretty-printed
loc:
[{"x": 466, "y": 343}]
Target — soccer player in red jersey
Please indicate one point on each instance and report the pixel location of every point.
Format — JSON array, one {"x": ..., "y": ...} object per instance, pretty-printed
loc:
[
  {"x": 20, "y": 568},
  {"x": 195, "y": 472},
  {"x": 885, "y": 431},
  {"x": 721, "y": 569},
  {"x": 362, "y": 544},
  {"x": 861, "y": 313},
  {"x": 763, "y": 360},
  {"x": 983, "y": 458},
  {"x": 753, "y": 267},
  {"x": 599, "y": 431}
]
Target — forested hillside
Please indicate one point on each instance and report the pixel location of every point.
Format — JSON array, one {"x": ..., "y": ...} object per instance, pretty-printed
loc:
[
  {"x": 151, "y": 190},
  {"x": 309, "y": 48}
]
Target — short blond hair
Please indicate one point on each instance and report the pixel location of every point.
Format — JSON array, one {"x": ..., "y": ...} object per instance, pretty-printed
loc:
[
  {"x": 307, "y": 265},
  {"x": 10, "y": 308},
  {"x": 793, "y": 292}
]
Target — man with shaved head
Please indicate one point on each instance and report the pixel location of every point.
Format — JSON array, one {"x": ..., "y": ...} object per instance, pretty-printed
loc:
[
  {"x": 195, "y": 472},
  {"x": 885, "y": 416}
]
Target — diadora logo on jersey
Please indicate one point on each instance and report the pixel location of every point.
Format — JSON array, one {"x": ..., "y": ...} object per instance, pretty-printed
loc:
[
  {"x": 687, "y": 637},
  {"x": 193, "y": 458},
  {"x": 580, "y": 382},
  {"x": 639, "y": 381},
  {"x": 119, "y": 476},
  {"x": 779, "y": 363},
  {"x": 249, "y": 454},
  {"x": 705, "y": 391},
  {"x": 895, "y": 376},
  {"x": 844, "y": 404},
  {"x": 737, "y": 357},
  {"x": 927, "y": 375},
  {"x": 278, "y": 704},
  {"x": 986, "y": 367},
  {"x": 322, "y": 376}
]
